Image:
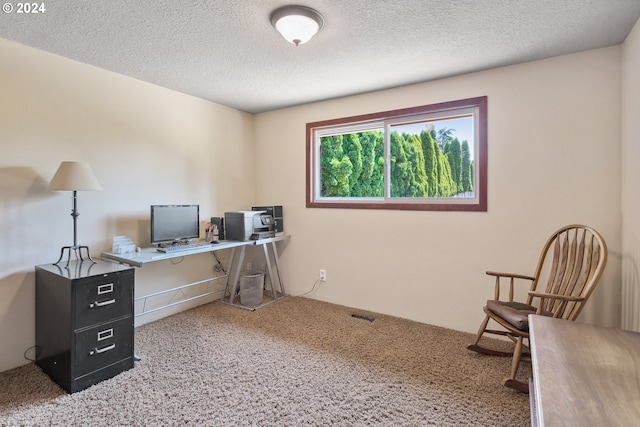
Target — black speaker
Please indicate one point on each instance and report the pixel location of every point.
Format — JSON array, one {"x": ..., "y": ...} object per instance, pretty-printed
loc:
[
  {"x": 219, "y": 222},
  {"x": 277, "y": 214}
]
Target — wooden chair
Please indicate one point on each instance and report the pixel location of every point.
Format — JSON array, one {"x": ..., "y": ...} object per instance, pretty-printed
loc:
[{"x": 571, "y": 262}]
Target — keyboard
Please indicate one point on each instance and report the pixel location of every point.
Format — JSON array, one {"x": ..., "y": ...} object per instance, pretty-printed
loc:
[{"x": 179, "y": 248}]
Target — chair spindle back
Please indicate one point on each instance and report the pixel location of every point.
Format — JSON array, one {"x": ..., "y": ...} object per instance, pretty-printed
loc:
[{"x": 573, "y": 260}]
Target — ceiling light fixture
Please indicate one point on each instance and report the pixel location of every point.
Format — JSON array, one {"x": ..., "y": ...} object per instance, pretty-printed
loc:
[{"x": 297, "y": 24}]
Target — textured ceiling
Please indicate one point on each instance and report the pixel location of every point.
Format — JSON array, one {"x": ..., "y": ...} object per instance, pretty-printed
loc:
[{"x": 227, "y": 51}]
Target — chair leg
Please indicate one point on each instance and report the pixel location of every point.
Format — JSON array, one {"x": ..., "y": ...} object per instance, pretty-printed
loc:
[
  {"x": 517, "y": 354},
  {"x": 483, "y": 327},
  {"x": 484, "y": 350},
  {"x": 515, "y": 363}
]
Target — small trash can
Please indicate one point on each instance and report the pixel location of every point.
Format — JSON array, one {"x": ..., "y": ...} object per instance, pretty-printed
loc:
[{"x": 251, "y": 287}]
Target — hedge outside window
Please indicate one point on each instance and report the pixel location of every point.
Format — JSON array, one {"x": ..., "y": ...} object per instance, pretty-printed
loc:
[{"x": 432, "y": 157}]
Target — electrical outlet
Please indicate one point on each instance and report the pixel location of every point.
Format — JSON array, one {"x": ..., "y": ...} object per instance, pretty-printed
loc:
[
  {"x": 323, "y": 275},
  {"x": 249, "y": 265}
]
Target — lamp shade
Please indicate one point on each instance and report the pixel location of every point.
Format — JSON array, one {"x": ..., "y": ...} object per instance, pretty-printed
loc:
[
  {"x": 74, "y": 176},
  {"x": 297, "y": 24}
]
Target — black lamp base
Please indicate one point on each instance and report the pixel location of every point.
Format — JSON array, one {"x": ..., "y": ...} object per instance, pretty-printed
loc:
[{"x": 77, "y": 250}]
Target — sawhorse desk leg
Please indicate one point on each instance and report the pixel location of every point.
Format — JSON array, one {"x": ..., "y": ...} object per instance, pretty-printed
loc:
[
  {"x": 275, "y": 292},
  {"x": 235, "y": 277},
  {"x": 269, "y": 269}
]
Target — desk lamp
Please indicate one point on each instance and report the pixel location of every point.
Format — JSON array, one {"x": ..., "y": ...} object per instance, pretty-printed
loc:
[{"x": 74, "y": 176}]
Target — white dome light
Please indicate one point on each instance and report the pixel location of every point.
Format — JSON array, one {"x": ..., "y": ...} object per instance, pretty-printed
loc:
[{"x": 297, "y": 24}]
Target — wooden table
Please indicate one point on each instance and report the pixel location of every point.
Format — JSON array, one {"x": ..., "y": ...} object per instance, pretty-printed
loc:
[{"x": 583, "y": 375}]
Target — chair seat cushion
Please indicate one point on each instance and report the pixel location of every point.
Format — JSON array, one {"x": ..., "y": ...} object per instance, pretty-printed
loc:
[{"x": 516, "y": 313}]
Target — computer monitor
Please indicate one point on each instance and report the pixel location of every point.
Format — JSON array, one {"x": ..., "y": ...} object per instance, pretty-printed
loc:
[{"x": 172, "y": 223}]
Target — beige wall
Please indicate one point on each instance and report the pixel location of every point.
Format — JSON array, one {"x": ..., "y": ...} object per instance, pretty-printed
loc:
[
  {"x": 631, "y": 180},
  {"x": 54, "y": 109},
  {"x": 554, "y": 159}
]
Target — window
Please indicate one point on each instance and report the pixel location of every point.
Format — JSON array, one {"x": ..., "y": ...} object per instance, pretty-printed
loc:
[{"x": 432, "y": 157}]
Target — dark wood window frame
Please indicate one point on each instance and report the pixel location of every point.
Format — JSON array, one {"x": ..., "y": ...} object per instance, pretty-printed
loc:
[{"x": 478, "y": 204}]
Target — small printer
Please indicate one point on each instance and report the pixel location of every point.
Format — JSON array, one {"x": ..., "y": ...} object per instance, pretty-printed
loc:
[
  {"x": 248, "y": 225},
  {"x": 263, "y": 226}
]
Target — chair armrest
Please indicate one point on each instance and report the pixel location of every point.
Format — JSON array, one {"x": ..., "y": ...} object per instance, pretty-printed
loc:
[
  {"x": 567, "y": 298},
  {"x": 515, "y": 276},
  {"x": 512, "y": 277},
  {"x": 564, "y": 298}
]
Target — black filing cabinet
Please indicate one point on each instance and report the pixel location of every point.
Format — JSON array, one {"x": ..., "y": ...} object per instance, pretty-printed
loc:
[{"x": 84, "y": 322}]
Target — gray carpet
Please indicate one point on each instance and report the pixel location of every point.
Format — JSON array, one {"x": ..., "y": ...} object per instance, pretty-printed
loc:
[{"x": 298, "y": 362}]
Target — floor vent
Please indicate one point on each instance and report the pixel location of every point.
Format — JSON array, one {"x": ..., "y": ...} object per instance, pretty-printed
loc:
[{"x": 363, "y": 317}]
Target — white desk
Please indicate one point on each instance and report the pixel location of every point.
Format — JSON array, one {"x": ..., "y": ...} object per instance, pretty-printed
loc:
[
  {"x": 583, "y": 375},
  {"x": 148, "y": 255}
]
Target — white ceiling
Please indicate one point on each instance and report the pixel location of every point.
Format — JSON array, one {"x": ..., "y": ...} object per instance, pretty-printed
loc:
[{"x": 226, "y": 51}]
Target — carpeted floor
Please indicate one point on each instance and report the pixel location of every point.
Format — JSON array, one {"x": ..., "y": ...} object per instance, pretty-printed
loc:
[{"x": 298, "y": 362}]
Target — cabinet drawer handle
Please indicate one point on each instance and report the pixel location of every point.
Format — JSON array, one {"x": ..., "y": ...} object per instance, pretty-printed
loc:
[
  {"x": 102, "y": 303},
  {"x": 102, "y": 350}
]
